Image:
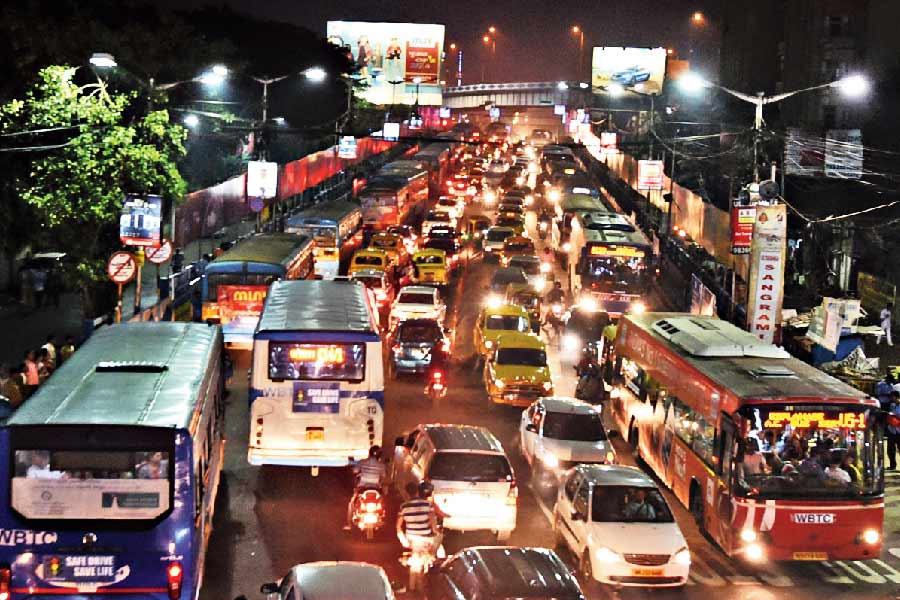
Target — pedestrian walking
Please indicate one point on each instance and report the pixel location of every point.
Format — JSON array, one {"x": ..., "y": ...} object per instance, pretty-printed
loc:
[
  {"x": 886, "y": 317},
  {"x": 50, "y": 347},
  {"x": 883, "y": 391},
  {"x": 32, "y": 376},
  {"x": 9, "y": 389},
  {"x": 893, "y": 432}
]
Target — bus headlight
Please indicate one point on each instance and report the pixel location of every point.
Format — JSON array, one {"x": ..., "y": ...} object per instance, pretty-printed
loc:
[
  {"x": 638, "y": 308},
  {"x": 754, "y": 552},
  {"x": 871, "y": 536},
  {"x": 748, "y": 536},
  {"x": 683, "y": 557}
]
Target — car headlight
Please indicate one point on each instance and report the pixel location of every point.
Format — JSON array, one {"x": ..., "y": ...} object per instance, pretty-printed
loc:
[
  {"x": 638, "y": 308},
  {"x": 493, "y": 301},
  {"x": 553, "y": 195},
  {"x": 748, "y": 536},
  {"x": 871, "y": 536},
  {"x": 610, "y": 458},
  {"x": 549, "y": 459},
  {"x": 499, "y": 384},
  {"x": 488, "y": 344},
  {"x": 683, "y": 557},
  {"x": 589, "y": 304},
  {"x": 539, "y": 284},
  {"x": 566, "y": 247},
  {"x": 571, "y": 342},
  {"x": 547, "y": 385},
  {"x": 604, "y": 554}
]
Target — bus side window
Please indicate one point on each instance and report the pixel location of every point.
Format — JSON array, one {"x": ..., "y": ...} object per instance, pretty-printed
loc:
[{"x": 725, "y": 448}]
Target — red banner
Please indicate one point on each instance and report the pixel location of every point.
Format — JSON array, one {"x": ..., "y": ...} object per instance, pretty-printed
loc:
[
  {"x": 742, "y": 219},
  {"x": 241, "y": 299},
  {"x": 422, "y": 61}
]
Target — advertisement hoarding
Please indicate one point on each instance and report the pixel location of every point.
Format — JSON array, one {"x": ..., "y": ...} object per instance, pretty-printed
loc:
[
  {"x": 347, "y": 147},
  {"x": 766, "y": 284},
  {"x": 742, "y": 220},
  {"x": 140, "y": 220},
  {"x": 391, "y": 131},
  {"x": 262, "y": 179},
  {"x": 643, "y": 69},
  {"x": 650, "y": 175},
  {"x": 391, "y": 57}
]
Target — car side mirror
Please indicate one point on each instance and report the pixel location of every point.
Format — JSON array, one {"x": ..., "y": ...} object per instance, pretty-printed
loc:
[
  {"x": 531, "y": 427},
  {"x": 269, "y": 588}
]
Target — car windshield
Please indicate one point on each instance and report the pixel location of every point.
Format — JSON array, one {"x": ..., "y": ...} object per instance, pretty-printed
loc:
[
  {"x": 429, "y": 259},
  {"x": 416, "y": 298},
  {"x": 574, "y": 427},
  {"x": 384, "y": 243},
  {"x": 629, "y": 504},
  {"x": 419, "y": 333},
  {"x": 368, "y": 260},
  {"x": 529, "y": 267},
  {"x": 810, "y": 451},
  {"x": 468, "y": 466},
  {"x": 519, "y": 247},
  {"x": 448, "y": 246},
  {"x": 498, "y": 235},
  {"x": 510, "y": 222},
  {"x": 507, "y": 323},
  {"x": 526, "y": 357}
]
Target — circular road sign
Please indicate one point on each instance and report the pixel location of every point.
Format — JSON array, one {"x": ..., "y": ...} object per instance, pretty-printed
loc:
[
  {"x": 160, "y": 254},
  {"x": 257, "y": 204},
  {"x": 121, "y": 267}
]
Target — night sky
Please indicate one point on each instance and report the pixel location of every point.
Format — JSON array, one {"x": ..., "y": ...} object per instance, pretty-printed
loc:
[{"x": 534, "y": 42}]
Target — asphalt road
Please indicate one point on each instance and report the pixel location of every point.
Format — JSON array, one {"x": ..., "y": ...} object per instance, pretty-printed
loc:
[{"x": 270, "y": 518}]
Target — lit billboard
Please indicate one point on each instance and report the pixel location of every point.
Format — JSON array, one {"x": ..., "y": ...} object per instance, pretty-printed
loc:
[
  {"x": 399, "y": 63},
  {"x": 641, "y": 69}
]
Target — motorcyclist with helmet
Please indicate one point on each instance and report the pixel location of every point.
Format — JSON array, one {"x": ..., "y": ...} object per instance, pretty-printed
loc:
[
  {"x": 369, "y": 474},
  {"x": 556, "y": 295}
]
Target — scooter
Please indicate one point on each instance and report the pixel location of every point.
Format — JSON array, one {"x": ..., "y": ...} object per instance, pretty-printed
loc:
[
  {"x": 419, "y": 560},
  {"x": 543, "y": 229},
  {"x": 368, "y": 511},
  {"x": 436, "y": 386}
]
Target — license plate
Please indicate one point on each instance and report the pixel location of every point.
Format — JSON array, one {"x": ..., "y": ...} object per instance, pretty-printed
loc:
[
  {"x": 810, "y": 556},
  {"x": 647, "y": 572},
  {"x": 315, "y": 435},
  {"x": 417, "y": 353}
]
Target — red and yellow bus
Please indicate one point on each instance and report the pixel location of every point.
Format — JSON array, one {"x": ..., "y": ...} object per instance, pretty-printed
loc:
[
  {"x": 391, "y": 197},
  {"x": 775, "y": 459}
]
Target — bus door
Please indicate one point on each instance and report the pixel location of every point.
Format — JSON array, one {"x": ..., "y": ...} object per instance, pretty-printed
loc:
[{"x": 724, "y": 457}]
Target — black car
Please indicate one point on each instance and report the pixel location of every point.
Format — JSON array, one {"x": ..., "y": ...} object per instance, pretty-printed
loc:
[
  {"x": 499, "y": 573},
  {"x": 412, "y": 343},
  {"x": 449, "y": 245}
]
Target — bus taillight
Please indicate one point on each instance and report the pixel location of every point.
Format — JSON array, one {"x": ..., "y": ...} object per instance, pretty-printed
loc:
[
  {"x": 174, "y": 575},
  {"x": 259, "y": 430},
  {"x": 5, "y": 578}
]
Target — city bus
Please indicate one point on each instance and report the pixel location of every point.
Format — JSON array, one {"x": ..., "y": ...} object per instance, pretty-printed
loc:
[
  {"x": 611, "y": 263},
  {"x": 742, "y": 433},
  {"x": 391, "y": 197},
  {"x": 316, "y": 376},
  {"x": 332, "y": 226},
  {"x": 235, "y": 284},
  {"x": 110, "y": 471},
  {"x": 565, "y": 209}
]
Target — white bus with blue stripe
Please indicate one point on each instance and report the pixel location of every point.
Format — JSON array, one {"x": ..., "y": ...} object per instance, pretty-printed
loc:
[{"x": 317, "y": 376}]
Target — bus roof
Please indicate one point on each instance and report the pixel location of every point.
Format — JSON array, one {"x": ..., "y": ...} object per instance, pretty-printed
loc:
[
  {"x": 611, "y": 228},
  {"x": 327, "y": 211},
  {"x": 146, "y": 374},
  {"x": 268, "y": 248},
  {"x": 736, "y": 359},
  {"x": 573, "y": 202},
  {"x": 311, "y": 305}
]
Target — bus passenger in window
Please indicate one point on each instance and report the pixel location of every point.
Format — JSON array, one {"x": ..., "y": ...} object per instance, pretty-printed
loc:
[
  {"x": 851, "y": 469},
  {"x": 835, "y": 474},
  {"x": 754, "y": 462},
  {"x": 153, "y": 468},
  {"x": 793, "y": 450},
  {"x": 40, "y": 467}
]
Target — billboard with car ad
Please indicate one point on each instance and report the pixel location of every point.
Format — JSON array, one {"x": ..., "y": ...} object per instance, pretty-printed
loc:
[
  {"x": 399, "y": 62},
  {"x": 640, "y": 69}
]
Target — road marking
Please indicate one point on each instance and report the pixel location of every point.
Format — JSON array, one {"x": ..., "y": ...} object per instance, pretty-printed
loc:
[{"x": 860, "y": 571}]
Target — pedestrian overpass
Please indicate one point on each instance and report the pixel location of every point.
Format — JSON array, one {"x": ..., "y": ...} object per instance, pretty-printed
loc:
[{"x": 534, "y": 93}]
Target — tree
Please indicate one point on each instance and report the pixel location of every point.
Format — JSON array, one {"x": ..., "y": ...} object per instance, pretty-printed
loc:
[{"x": 77, "y": 186}]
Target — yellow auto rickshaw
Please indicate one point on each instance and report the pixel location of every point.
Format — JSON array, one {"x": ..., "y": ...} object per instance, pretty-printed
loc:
[{"x": 430, "y": 267}]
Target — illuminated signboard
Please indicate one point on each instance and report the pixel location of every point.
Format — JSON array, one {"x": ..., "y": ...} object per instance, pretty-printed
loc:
[
  {"x": 616, "y": 251},
  {"x": 822, "y": 420},
  {"x": 322, "y": 362},
  {"x": 242, "y": 299},
  {"x": 328, "y": 355}
]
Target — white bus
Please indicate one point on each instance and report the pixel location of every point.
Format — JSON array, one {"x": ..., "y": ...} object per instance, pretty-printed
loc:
[{"x": 317, "y": 376}]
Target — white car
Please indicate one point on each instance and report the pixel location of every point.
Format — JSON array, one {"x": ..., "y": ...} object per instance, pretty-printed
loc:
[
  {"x": 418, "y": 302},
  {"x": 557, "y": 433},
  {"x": 617, "y": 523},
  {"x": 494, "y": 238},
  {"x": 451, "y": 206},
  {"x": 438, "y": 216},
  {"x": 539, "y": 277},
  {"x": 326, "y": 580}
]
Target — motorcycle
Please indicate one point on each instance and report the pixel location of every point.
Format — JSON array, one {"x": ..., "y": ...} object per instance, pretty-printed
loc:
[
  {"x": 368, "y": 511},
  {"x": 436, "y": 387},
  {"x": 543, "y": 229},
  {"x": 556, "y": 319},
  {"x": 419, "y": 559}
]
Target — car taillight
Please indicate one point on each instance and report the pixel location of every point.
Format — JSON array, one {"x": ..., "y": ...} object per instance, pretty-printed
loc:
[
  {"x": 259, "y": 430},
  {"x": 5, "y": 579},
  {"x": 397, "y": 349},
  {"x": 513, "y": 495},
  {"x": 174, "y": 576}
]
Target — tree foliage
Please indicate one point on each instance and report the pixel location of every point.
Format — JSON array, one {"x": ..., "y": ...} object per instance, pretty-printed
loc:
[{"x": 77, "y": 187}]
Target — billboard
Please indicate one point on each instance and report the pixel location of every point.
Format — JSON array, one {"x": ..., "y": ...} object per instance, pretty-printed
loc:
[
  {"x": 650, "y": 175},
  {"x": 262, "y": 179},
  {"x": 140, "y": 220},
  {"x": 643, "y": 69},
  {"x": 843, "y": 153},
  {"x": 742, "y": 220},
  {"x": 391, "y": 57},
  {"x": 766, "y": 284}
]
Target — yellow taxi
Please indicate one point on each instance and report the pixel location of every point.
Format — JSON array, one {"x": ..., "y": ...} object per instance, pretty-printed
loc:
[
  {"x": 369, "y": 259},
  {"x": 497, "y": 319},
  {"x": 393, "y": 244},
  {"x": 517, "y": 224},
  {"x": 516, "y": 370},
  {"x": 430, "y": 267},
  {"x": 515, "y": 245}
]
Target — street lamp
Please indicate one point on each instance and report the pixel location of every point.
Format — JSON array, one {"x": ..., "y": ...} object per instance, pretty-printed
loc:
[
  {"x": 492, "y": 29},
  {"x": 852, "y": 86},
  {"x": 315, "y": 74},
  {"x": 103, "y": 60},
  {"x": 580, "y": 33},
  {"x": 698, "y": 18}
]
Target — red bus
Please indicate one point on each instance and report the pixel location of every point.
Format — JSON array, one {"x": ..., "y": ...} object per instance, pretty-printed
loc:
[
  {"x": 389, "y": 198},
  {"x": 775, "y": 459}
]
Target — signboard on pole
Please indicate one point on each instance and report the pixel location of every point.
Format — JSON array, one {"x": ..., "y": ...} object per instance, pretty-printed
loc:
[
  {"x": 650, "y": 175},
  {"x": 742, "y": 220},
  {"x": 140, "y": 222},
  {"x": 444, "y": 112},
  {"x": 391, "y": 131},
  {"x": 161, "y": 254},
  {"x": 843, "y": 153},
  {"x": 494, "y": 112},
  {"x": 121, "y": 267},
  {"x": 347, "y": 147},
  {"x": 262, "y": 179},
  {"x": 766, "y": 285}
]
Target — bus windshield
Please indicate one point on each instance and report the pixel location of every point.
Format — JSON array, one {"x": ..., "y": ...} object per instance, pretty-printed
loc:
[
  {"x": 810, "y": 451},
  {"x": 615, "y": 270},
  {"x": 90, "y": 484}
]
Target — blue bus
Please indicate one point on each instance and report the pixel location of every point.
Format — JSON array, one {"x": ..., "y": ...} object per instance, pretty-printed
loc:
[
  {"x": 331, "y": 225},
  {"x": 109, "y": 472}
]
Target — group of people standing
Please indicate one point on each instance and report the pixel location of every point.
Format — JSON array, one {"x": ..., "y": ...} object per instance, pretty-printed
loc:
[{"x": 20, "y": 382}]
